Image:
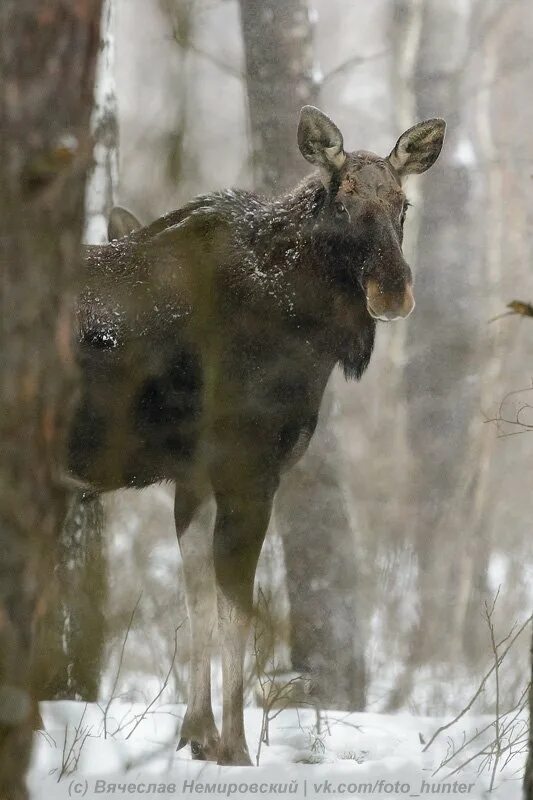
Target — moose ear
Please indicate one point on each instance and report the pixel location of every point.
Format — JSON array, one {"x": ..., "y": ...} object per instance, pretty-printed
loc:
[
  {"x": 319, "y": 139},
  {"x": 121, "y": 223},
  {"x": 418, "y": 148}
]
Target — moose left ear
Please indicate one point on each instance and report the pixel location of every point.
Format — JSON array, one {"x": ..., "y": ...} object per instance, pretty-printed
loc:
[
  {"x": 418, "y": 148},
  {"x": 319, "y": 139},
  {"x": 121, "y": 223}
]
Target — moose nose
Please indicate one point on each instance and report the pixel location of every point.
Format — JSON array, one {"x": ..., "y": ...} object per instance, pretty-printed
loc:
[{"x": 387, "y": 306}]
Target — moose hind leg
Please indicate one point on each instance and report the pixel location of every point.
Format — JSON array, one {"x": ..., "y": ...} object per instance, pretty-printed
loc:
[
  {"x": 196, "y": 546},
  {"x": 240, "y": 529}
]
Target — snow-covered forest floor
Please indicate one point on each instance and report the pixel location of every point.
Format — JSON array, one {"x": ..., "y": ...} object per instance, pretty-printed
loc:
[{"x": 89, "y": 750}]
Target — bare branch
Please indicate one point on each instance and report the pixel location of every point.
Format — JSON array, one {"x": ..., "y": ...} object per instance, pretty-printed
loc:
[
  {"x": 481, "y": 685},
  {"x": 350, "y": 63},
  {"x": 121, "y": 659},
  {"x": 163, "y": 687}
]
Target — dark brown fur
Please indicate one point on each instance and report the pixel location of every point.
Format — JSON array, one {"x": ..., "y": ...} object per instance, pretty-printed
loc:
[{"x": 205, "y": 343}]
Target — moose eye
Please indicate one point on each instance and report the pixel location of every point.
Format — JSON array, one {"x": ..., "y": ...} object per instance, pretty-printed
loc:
[
  {"x": 340, "y": 209},
  {"x": 403, "y": 212}
]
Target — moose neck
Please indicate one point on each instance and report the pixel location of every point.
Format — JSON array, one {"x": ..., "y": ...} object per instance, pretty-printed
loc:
[{"x": 315, "y": 263}]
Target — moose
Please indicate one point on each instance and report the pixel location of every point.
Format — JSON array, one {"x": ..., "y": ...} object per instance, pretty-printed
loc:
[{"x": 206, "y": 340}]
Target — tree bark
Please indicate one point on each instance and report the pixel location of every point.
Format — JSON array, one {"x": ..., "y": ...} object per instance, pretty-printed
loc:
[
  {"x": 311, "y": 511},
  {"x": 71, "y": 638},
  {"x": 528, "y": 777},
  {"x": 279, "y": 80},
  {"x": 103, "y": 179},
  {"x": 319, "y": 546},
  {"x": 443, "y": 336},
  {"x": 47, "y": 63}
]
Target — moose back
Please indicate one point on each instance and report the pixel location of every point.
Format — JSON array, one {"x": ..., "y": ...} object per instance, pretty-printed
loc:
[{"x": 206, "y": 340}]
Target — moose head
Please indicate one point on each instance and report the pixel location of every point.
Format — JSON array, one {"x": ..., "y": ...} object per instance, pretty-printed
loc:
[{"x": 362, "y": 222}]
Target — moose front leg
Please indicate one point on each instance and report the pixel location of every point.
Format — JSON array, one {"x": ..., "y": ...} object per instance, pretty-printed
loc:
[
  {"x": 196, "y": 545},
  {"x": 242, "y": 521}
]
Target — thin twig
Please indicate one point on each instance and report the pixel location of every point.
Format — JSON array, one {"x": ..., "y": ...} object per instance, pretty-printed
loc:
[
  {"x": 70, "y": 759},
  {"x": 480, "y": 687},
  {"x": 272, "y": 695},
  {"x": 517, "y": 308},
  {"x": 454, "y": 752},
  {"x": 498, "y": 745},
  {"x": 163, "y": 687},
  {"x": 121, "y": 659},
  {"x": 354, "y": 61}
]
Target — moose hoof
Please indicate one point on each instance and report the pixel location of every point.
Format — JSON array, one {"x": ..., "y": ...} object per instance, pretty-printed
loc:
[
  {"x": 203, "y": 738},
  {"x": 234, "y": 756},
  {"x": 201, "y": 751}
]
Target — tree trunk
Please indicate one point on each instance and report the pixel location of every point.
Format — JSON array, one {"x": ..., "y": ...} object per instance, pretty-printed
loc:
[
  {"x": 311, "y": 511},
  {"x": 279, "y": 81},
  {"x": 443, "y": 335},
  {"x": 319, "y": 545},
  {"x": 71, "y": 637},
  {"x": 47, "y": 64},
  {"x": 103, "y": 179},
  {"x": 528, "y": 777}
]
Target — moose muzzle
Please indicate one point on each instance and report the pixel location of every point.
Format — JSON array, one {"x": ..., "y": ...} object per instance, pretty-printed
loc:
[{"x": 389, "y": 305}]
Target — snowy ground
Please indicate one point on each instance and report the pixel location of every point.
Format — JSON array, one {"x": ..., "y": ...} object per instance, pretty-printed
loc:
[{"x": 130, "y": 751}]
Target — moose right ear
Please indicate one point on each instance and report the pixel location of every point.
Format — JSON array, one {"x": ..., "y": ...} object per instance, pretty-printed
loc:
[
  {"x": 319, "y": 139},
  {"x": 418, "y": 148},
  {"x": 121, "y": 223}
]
